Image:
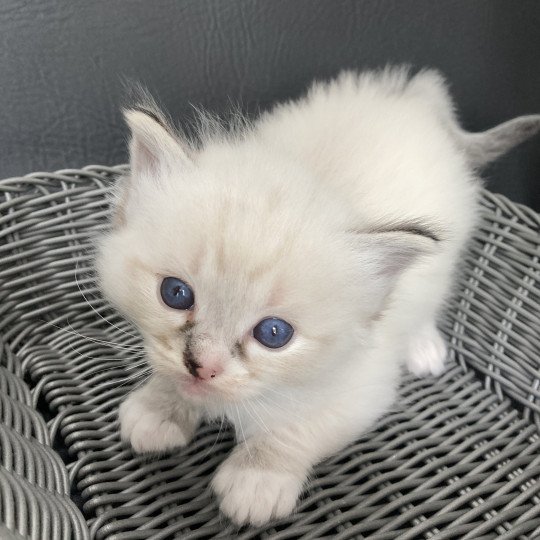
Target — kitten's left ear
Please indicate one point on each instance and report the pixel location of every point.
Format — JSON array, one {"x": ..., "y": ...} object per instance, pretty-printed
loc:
[
  {"x": 154, "y": 145},
  {"x": 384, "y": 256}
]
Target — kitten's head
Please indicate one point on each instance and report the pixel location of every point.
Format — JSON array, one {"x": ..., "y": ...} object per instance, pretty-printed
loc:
[{"x": 240, "y": 272}]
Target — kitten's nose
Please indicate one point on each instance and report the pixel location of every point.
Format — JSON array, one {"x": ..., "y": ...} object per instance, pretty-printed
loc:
[{"x": 208, "y": 372}]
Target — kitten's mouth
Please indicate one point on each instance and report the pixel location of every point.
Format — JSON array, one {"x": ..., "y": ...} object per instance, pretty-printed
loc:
[{"x": 192, "y": 386}]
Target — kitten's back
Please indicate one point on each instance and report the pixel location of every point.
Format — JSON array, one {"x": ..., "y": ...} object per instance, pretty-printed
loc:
[{"x": 384, "y": 140}]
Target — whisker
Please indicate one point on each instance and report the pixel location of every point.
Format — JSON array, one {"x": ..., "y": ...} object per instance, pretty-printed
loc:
[
  {"x": 271, "y": 434},
  {"x": 123, "y": 380},
  {"x": 108, "y": 355},
  {"x": 141, "y": 359},
  {"x": 126, "y": 347},
  {"x": 249, "y": 414},
  {"x": 218, "y": 435},
  {"x": 242, "y": 430},
  {"x": 138, "y": 365},
  {"x": 288, "y": 396},
  {"x": 281, "y": 408},
  {"x": 132, "y": 378},
  {"x": 112, "y": 345},
  {"x": 261, "y": 424},
  {"x": 146, "y": 376}
]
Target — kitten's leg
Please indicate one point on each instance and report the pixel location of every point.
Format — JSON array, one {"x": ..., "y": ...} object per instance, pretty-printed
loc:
[
  {"x": 427, "y": 351},
  {"x": 155, "y": 418},
  {"x": 419, "y": 301},
  {"x": 264, "y": 476},
  {"x": 254, "y": 490}
]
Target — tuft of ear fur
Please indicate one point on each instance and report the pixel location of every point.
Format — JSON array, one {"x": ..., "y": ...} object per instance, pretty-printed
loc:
[{"x": 483, "y": 148}]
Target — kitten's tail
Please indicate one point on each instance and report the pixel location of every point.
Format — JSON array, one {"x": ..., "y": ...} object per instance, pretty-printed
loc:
[
  {"x": 483, "y": 148},
  {"x": 479, "y": 148}
]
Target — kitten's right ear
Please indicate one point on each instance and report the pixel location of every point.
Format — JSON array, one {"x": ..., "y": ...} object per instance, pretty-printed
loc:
[
  {"x": 384, "y": 255},
  {"x": 154, "y": 146}
]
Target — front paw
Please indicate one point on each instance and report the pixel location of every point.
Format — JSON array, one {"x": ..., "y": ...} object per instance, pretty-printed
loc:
[
  {"x": 148, "y": 429},
  {"x": 427, "y": 352},
  {"x": 255, "y": 496}
]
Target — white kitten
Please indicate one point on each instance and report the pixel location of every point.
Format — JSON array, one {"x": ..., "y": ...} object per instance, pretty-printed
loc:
[{"x": 280, "y": 273}]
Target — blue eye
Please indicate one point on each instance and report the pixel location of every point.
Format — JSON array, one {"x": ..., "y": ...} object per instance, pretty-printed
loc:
[
  {"x": 177, "y": 294},
  {"x": 273, "y": 333}
]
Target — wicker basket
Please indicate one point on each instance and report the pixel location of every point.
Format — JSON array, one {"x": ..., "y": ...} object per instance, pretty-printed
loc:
[{"x": 459, "y": 457}]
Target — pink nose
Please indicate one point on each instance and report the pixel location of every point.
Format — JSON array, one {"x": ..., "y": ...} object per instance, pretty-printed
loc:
[{"x": 209, "y": 372}]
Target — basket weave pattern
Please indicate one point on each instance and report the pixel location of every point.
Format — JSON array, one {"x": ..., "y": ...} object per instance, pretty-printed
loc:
[{"x": 458, "y": 457}]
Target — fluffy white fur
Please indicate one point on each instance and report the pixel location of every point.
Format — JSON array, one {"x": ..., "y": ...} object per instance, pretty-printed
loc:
[{"x": 343, "y": 213}]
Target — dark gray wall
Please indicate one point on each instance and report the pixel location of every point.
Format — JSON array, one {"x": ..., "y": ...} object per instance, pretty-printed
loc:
[{"x": 62, "y": 61}]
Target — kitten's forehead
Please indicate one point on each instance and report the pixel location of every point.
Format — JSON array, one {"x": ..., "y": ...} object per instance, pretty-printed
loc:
[
  {"x": 242, "y": 262},
  {"x": 239, "y": 227}
]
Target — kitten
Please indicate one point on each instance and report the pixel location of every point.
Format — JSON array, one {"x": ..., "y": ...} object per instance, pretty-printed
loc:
[{"x": 281, "y": 272}]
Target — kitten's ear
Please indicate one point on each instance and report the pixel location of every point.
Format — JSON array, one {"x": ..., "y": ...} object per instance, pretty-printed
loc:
[
  {"x": 154, "y": 146},
  {"x": 155, "y": 149},
  {"x": 383, "y": 257}
]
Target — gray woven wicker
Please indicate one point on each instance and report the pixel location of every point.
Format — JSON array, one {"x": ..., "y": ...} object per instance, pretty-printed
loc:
[{"x": 459, "y": 457}]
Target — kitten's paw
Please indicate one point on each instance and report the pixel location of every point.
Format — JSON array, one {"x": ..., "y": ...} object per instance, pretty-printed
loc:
[
  {"x": 255, "y": 496},
  {"x": 148, "y": 430},
  {"x": 427, "y": 353}
]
